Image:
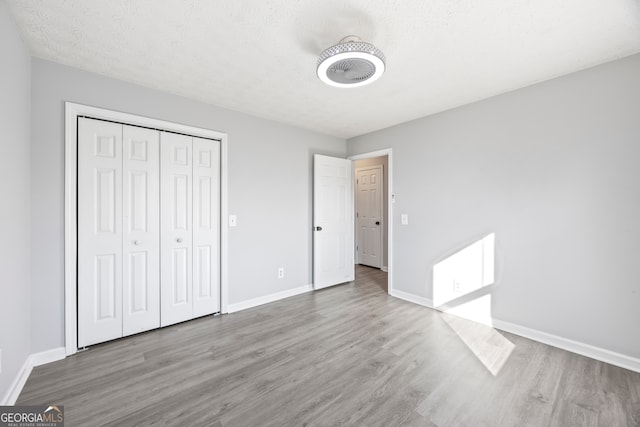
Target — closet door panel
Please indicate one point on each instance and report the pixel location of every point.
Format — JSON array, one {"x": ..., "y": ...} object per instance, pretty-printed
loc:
[
  {"x": 141, "y": 229},
  {"x": 99, "y": 231},
  {"x": 206, "y": 223},
  {"x": 176, "y": 229}
]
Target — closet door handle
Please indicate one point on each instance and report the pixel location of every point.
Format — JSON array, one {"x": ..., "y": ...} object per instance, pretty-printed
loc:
[
  {"x": 137, "y": 242},
  {"x": 179, "y": 240}
]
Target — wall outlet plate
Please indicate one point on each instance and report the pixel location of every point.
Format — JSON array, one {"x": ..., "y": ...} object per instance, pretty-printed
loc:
[{"x": 280, "y": 272}]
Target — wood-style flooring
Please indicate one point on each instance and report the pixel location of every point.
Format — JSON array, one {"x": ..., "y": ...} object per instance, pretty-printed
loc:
[{"x": 349, "y": 355}]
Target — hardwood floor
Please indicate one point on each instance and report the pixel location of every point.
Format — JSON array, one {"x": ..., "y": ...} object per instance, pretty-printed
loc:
[{"x": 346, "y": 355}]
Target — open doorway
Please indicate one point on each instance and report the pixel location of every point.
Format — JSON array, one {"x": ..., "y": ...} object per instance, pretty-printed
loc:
[{"x": 373, "y": 217}]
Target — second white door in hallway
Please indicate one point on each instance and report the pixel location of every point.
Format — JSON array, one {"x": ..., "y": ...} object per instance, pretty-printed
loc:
[{"x": 369, "y": 224}]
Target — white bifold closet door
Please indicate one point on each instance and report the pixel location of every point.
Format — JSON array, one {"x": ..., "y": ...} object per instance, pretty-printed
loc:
[
  {"x": 99, "y": 231},
  {"x": 118, "y": 231},
  {"x": 141, "y": 226},
  {"x": 177, "y": 229},
  {"x": 189, "y": 230},
  {"x": 148, "y": 229},
  {"x": 206, "y": 226}
]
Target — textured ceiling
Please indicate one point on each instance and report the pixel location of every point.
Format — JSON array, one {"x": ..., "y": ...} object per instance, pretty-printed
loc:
[{"x": 259, "y": 56}]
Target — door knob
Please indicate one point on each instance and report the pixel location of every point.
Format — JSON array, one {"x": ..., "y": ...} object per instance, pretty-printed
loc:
[
  {"x": 377, "y": 222},
  {"x": 137, "y": 242},
  {"x": 318, "y": 228},
  {"x": 179, "y": 240}
]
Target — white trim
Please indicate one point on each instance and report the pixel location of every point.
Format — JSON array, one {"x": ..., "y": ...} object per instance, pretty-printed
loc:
[
  {"x": 72, "y": 110},
  {"x": 425, "y": 302},
  {"x": 48, "y": 356},
  {"x": 224, "y": 226},
  {"x": 384, "y": 268},
  {"x": 597, "y": 353},
  {"x": 32, "y": 361},
  {"x": 389, "y": 153},
  {"x": 70, "y": 232},
  {"x": 268, "y": 298},
  {"x": 18, "y": 384}
]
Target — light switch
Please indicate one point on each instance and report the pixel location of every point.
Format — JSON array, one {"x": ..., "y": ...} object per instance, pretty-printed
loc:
[
  {"x": 233, "y": 220},
  {"x": 404, "y": 219}
]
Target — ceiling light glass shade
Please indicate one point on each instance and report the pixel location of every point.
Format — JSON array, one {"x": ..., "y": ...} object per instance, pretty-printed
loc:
[{"x": 350, "y": 63}]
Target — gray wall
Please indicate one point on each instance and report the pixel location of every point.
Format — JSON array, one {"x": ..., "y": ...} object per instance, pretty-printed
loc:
[
  {"x": 384, "y": 161},
  {"x": 269, "y": 187},
  {"x": 554, "y": 171},
  {"x": 14, "y": 208}
]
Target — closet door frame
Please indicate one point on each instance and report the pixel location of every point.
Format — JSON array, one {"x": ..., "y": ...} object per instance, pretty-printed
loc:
[{"x": 72, "y": 111}]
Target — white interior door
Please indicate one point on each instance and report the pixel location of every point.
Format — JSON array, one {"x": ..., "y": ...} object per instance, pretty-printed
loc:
[
  {"x": 369, "y": 215},
  {"x": 176, "y": 231},
  {"x": 333, "y": 255},
  {"x": 99, "y": 231},
  {"x": 206, "y": 224},
  {"x": 141, "y": 230}
]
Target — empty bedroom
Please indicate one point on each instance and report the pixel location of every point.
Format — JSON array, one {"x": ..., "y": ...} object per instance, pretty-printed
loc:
[{"x": 298, "y": 213}]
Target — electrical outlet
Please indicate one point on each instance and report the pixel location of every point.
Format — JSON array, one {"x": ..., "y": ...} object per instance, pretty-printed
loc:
[
  {"x": 456, "y": 286},
  {"x": 280, "y": 272},
  {"x": 0, "y": 360}
]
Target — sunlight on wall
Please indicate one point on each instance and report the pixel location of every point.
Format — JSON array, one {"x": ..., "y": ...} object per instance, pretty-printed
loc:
[
  {"x": 465, "y": 271},
  {"x": 461, "y": 287}
]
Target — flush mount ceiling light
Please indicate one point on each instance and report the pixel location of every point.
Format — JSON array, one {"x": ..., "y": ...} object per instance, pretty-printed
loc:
[{"x": 350, "y": 63}]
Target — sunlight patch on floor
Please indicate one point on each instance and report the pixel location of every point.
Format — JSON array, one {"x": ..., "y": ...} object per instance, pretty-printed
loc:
[{"x": 487, "y": 344}]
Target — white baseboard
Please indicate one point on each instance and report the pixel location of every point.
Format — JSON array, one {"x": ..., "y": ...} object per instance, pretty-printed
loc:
[
  {"x": 18, "y": 383},
  {"x": 597, "y": 353},
  {"x": 48, "y": 356},
  {"x": 384, "y": 268},
  {"x": 412, "y": 298},
  {"x": 243, "y": 305},
  {"x": 601, "y": 354},
  {"x": 32, "y": 361}
]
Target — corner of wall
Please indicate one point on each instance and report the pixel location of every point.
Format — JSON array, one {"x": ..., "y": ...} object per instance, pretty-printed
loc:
[
  {"x": 13, "y": 393},
  {"x": 15, "y": 260}
]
